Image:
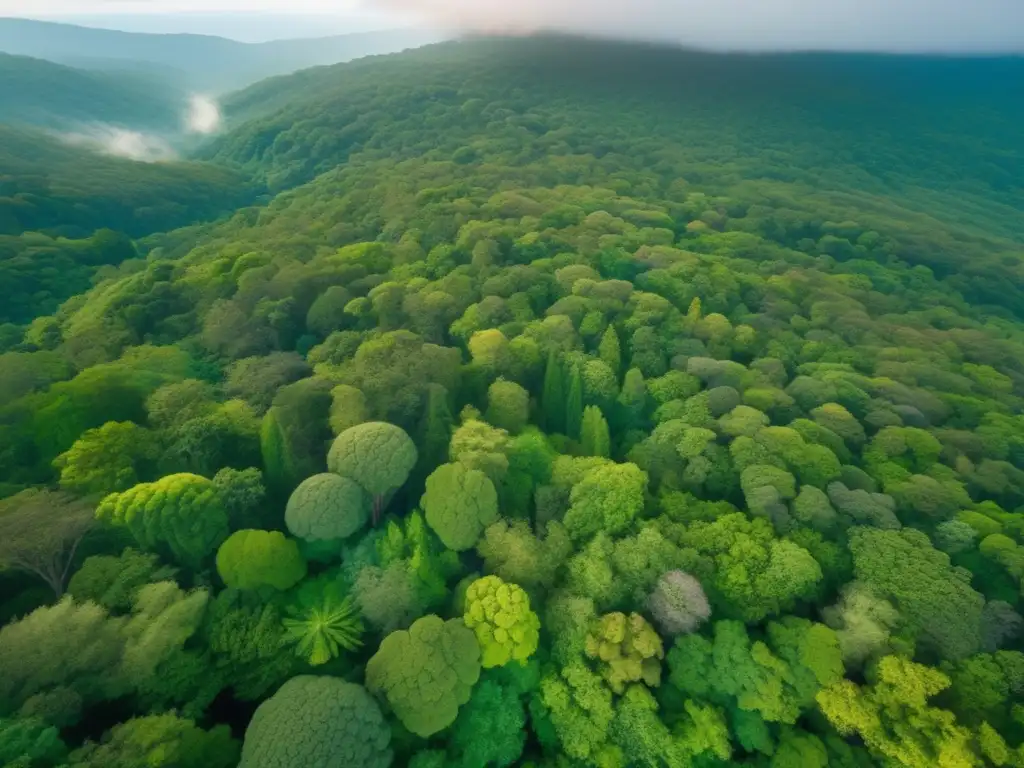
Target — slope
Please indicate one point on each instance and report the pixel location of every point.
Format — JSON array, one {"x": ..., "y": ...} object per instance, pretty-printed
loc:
[
  {"x": 743, "y": 476},
  {"x": 53, "y": 197},
  {"x": 38, "y": 92},
  {"x": 891, "y": 143},
  {"x": 199, "y": 62}
]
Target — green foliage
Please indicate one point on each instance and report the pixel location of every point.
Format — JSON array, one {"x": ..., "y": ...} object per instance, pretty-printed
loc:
[
  {"x": 935, "y": 600},
  {"x": 40, "y": 532},
  {"x": 249, "y": 559},
  {"x": 514, "y": 553},
  {"x": 376, "y": 455},
  {"x": 490, "y": 728},
  {"x": 553, "y": 396},
  {"x": 499, "y": 615},
  {"x": 754, "y": 574},
  {"x": 161, "y": 741},
  {"x": 508, "y": 406},
  {"x": 112, "y": 581},
  {"x": 30, "y": 742},
  {"x": 595, "y": 439},
  {"x": 106, "y": 459},
  {"x": 322, "y": 621},
  {"x": 64, "y": 645},
  {"x": 894, "y": 719},
  {"x": 327, "y": 507},
  {"x": 775, "y": 679},
  {"x": 757, "y": 401},
  {"x": 426, "y": 673},
  {"x": 605, "y": 499},
  {"x": 626, "y": 649},
  {"x": 294, "y": 432},
  {"x": 317, "y": 722},
  {"x": 181, "y": 514},
  {"x": 459, "y": 504}
]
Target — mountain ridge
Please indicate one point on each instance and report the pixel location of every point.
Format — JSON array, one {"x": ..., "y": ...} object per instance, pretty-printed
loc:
[{"x": 207, "y": 62}]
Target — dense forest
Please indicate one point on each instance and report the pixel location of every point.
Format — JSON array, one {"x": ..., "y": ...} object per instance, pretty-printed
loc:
[
  {"x": 37, "y": 92},
  {"x": 570, "y": 404},
  {"x": 56, "y": 199}
]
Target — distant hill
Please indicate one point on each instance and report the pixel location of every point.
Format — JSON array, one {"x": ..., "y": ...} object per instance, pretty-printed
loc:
[
  {"x": 883, "y": 140},
  {"x": 200, "y": 62},
  {"x": 38, "y": 92},
  {"x": 49, "y": 186},
  {"x": 66, "y": 212}
]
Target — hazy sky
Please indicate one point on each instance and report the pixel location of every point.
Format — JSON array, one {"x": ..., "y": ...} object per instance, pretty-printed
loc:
[{"x": 932, "y": 25}]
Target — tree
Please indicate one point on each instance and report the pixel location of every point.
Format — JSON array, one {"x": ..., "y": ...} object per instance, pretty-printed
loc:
[
  {"x": 249, "y": 559},
  {"x": 935, "y": 600},
  {"x": 317, "y": 722},
  {"x": 754, "y": 574},
  {"x": 40, "y": 532},
  {"x": 678, "y": 604},
  {"x": 894, "y": 719},
  {"x": 112, "y": 581},
  {"x": 435, "y": 431},
  {"x": 478, "y": 445},
  {"x": 243, "y": 494},
  {"x": 606, "y": 499},
  {"x": 294, "y": 432},
  {"x": 248, "y": 643},
  {"x": 66, "y": 645},
  {"x": 632, "y": 401},
  {"x": 553, "y": 395},
  {"x": 180, "y": 513},
  {"x": 257, "y": 379},
  {"x": 348, "y": 408},
  {"x": 426, "y": 673},
  {"x": 490, "y": 729},
  {"x": 626, "y": 649},
  {"x": 105, "y": 459},
  {"x": 327, "y": 507},
  {"x": 772, "y": 680},
  {"x": 574, "y": 404},
  {"x": 610, "y": 351},
  {"x": 863, "y": 622},
  {"x": 508, "y": 406},
  {"x": 579, "y": 706},
  {"x": 499, "y": 615},
  {"x": 458, "y": 504},
  {"x": 30, "y": 741},
  {"x": 511, "y": 551},
  {"x": 160, "y": 741},
  {"x": 322, "y": 620},
  {"x": 378, "y": 456},
  {"x": 594, "y": 436},
  {"x": 388, "y": 598}
]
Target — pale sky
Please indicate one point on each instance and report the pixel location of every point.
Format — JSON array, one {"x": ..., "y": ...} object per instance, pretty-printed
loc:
[
  {"x": 51, "y": 8},
  {"x": 891, "y": 25}
]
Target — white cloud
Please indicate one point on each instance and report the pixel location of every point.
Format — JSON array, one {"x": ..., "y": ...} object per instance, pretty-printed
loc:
[
  {"x": 919, "y": 25},
  {"x": 121, "y": 142},
  {"x": 203, "y": 115}
]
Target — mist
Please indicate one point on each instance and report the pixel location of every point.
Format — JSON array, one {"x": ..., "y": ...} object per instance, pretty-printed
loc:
[
  {"x": 203, "y": 115},
  {"x": 934, "y": 26},
  {"x": 121, "y": 142}
]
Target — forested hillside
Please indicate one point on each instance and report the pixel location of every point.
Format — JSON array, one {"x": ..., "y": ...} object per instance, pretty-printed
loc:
[
  {"x": 54, "y": 197},
  {"x": 37, "y": 92},
  {"x": 571, "y": 404}
]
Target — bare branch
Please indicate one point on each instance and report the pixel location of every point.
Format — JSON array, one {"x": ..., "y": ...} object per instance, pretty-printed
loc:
[{"x": 40, "y": 532}]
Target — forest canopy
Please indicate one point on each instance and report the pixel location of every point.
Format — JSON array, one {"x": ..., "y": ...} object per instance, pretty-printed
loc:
[{"x": 597, "y": 419}]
